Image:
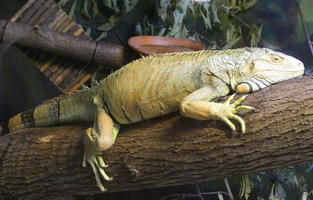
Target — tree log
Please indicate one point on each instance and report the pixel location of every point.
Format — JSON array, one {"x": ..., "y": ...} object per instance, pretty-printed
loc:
[
  {"x": 46, "y": 39},
  {"x": 167, "y": 151}
]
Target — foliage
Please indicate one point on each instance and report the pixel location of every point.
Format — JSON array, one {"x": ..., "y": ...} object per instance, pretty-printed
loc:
[
  {"x": 199, "y": 20},
  {"x": 97, "y": 16},
  {"x": 206, "y": 21},
  {"x": 278, "y": 184}
]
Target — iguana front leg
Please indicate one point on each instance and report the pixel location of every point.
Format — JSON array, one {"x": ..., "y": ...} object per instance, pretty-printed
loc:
[
  {"x": 98, "y": 139},
  {"x": 198, "y": 106}
]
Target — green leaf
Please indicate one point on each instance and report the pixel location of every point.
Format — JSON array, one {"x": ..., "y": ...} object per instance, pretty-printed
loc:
[
  {"x": 62, "y": 3},
  {"x": 88, "y": 30},
  {"x": 162, "y": 32},
  {"x": 101, "y": 36},
  {"x": 95, "y": 8},
  {"x": 255, "y": 34},
  {"x": 164, "y": 5},
  {"x": 84, "y": 10},
  {"x": 71, "y": 13},
  {"x": 280, "y": 192},
  {"x": 107, "y": 3},
  {"x": 220, "y": 196},
  {"x": 233, "y": 35},
  {"x": 245, "y": 187},
  {"x": 206, "y": 17},
  {"x": 105, "y": 27},
  {"x": 150, "y": 27},
  {"x": 178, "y": 15},
  {"x": 215, "y": 16},
  {"x": 112, "y": 4},
  {"x": 108, "y": 26},
  {"x": 113, "y": 19},
  {"x": 138, "y": 29},
  {"x": 115, "y": 6},
  {"x": 129, "y": 5},
  {"x": 249, "y": 4}
]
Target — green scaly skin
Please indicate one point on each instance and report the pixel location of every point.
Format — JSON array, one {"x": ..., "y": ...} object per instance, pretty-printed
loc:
[{"x": 157, "y": 85}]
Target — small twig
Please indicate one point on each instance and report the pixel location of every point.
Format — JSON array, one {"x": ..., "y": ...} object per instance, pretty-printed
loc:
[
  {"x": 199, "y": 192},
  {"x": 305, "y": 28},
  {"x": 238, "y": 18},
  {"x": 231, "y": 196}
]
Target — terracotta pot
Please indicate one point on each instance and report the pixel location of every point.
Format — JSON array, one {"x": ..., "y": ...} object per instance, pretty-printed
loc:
[{"x": 149, "y": 45}]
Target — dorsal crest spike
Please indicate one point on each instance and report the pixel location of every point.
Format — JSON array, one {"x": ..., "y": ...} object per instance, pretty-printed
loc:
[{"x": 182, "y": 57}]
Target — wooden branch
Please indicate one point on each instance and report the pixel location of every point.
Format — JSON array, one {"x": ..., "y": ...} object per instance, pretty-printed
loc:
[
  {"x": 80, "y": 48},
  {"x": 170, "y": 150}
]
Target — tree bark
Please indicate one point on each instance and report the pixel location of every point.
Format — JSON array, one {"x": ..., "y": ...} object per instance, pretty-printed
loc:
[
  {"x": 80, "y": 48},
  {"x": 167, "y": 151}
]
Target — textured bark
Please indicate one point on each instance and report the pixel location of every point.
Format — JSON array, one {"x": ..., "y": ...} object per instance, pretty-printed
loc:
[
  {"x": 170, "y": 150},
  {"x": 46, "y": 39}
]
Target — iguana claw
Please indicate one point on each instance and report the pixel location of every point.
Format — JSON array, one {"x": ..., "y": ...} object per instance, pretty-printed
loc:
[
  {"x": 95, "y": 159},
  {"x": 234, "y": 108}
]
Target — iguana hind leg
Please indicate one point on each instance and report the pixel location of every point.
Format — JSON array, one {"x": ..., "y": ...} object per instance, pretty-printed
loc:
[{"x": 98, "y": 139}]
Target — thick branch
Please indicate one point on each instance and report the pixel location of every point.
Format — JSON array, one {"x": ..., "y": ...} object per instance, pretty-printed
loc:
[
  {"x": 170, "y": 150},
  {"x": 46, "y": 39}
]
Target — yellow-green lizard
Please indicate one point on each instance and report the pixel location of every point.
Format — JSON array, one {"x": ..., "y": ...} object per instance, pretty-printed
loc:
[{"x": 157, "y": 85}]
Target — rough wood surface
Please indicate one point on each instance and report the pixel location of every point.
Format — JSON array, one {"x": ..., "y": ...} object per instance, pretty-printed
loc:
[
  {"x": 66, "y": 73},
  {"x": 67, "y": 45},
  {"x": 170, "y": 150}
]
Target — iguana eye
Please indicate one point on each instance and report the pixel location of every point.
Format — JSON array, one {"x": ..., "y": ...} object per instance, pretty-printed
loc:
[{"x": 277, "y": 59}]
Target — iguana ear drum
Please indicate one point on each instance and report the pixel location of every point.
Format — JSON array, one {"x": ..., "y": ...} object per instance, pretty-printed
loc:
[{"x": 244, "y": 88}]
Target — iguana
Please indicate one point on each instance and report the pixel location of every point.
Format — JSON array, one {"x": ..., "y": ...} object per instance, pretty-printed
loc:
[{"x": 152, "y": 86}]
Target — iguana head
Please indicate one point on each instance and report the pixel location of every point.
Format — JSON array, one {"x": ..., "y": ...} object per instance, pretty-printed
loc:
[{"x": 266, "y": 67}]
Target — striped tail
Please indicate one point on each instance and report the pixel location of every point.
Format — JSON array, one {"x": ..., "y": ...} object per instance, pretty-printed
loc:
[{"x": 78, "y": 107}]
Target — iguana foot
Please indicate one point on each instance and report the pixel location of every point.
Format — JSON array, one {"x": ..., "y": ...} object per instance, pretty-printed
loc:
[
  {"x": 230, "y": 110},
  {"x": 95, "y": 159},
  {"x": 206, "y": 110}
]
